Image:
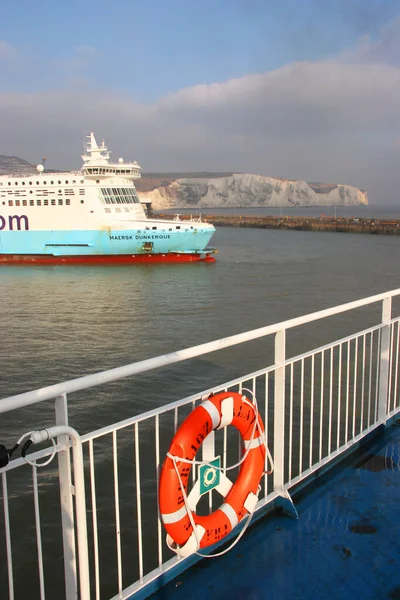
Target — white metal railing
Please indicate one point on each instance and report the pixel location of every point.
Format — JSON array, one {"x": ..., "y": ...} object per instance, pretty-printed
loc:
[{"x": 103, "y": 500}]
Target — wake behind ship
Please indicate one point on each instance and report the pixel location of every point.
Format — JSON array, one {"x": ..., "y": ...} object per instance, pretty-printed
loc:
[{"x": 91, "y": 216}]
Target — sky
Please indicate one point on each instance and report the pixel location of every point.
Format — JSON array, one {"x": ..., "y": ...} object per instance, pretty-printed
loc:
[{"x": 299, "y": 89}]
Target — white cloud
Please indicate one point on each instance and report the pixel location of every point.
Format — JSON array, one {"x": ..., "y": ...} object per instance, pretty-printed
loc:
[
  {"x": 385, "y": 49},
  {"x": 335, "y": 120}
]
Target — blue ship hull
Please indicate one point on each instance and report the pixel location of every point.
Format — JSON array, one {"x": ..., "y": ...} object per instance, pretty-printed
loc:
[{"x": 23, "y": 246}]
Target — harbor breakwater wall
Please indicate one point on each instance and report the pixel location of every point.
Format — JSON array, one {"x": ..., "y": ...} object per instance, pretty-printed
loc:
[{"x": 339, "y": 224}]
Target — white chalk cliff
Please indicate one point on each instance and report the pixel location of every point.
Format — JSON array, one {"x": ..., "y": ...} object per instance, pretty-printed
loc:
[{"x": 250, "y": 190}]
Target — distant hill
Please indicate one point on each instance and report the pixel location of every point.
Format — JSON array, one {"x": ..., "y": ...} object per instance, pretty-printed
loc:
[
  {"x": 152, "y": 181},
  {"x": 12, "y": 165},
  {"x": 244, "y": 190}
]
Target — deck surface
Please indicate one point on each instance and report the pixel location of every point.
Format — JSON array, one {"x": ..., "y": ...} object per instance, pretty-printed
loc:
[{"x": 345, "y": 544}]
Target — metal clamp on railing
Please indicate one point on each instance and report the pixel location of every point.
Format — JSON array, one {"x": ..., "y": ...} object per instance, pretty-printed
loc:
[
  {"x": 5, "y": 455},
  {"x": 32, "y": 437}
]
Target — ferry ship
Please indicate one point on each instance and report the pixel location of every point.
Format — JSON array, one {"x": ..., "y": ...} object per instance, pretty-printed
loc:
[{"x": 91, "y": 216}]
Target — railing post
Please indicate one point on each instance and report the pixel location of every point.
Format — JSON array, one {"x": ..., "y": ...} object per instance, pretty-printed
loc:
[
  {"x": 67, "y": 509},
  {"x": 384, "y": 360},
  {"x": 284, "y": 500},
  {"x": 279, "y": 410}
]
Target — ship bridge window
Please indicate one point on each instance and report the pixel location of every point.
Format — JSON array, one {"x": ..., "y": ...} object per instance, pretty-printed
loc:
[{"x": 119, "y": 196}]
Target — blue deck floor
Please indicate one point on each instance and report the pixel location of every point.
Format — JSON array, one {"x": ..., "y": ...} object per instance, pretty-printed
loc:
[{"x": 345, "y": 544}]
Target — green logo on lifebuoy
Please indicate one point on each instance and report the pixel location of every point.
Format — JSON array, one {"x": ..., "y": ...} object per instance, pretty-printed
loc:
[{"x": 209, "y": 475}]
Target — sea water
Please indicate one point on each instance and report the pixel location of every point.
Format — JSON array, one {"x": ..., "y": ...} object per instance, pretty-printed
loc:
[{"x": 61, "y": 322}]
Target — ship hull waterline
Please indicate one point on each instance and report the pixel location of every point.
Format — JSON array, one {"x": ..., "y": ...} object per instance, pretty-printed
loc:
[{"x": 48, "y": 259}]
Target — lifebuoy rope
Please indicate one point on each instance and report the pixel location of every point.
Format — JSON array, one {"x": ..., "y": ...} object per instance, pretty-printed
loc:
[
  {"x": 189, "y": 513},
  {"x": 248, "y": 446}
]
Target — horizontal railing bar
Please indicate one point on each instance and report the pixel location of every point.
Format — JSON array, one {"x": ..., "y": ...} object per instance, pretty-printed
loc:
[
  {"x": 87, "y": 381},
  {"x": 172, "y": 405},
  {"x": 334, "y": 344},
  {"x": 188, "y": 399},
  {"x": 149, "y": 578},
  {"x": 393, "y": 412}
]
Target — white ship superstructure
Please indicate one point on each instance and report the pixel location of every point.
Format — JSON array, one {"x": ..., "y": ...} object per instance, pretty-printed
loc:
[{"x": 93, "y": 215}]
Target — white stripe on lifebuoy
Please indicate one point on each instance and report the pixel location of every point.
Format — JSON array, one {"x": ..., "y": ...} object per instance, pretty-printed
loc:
[
  {"x": 213, "y": 412},
  {"x": 230, "y": 513},
  {"x": 226, "y": 412},
  {"x": 254, "y": 443},
  {"x": 175, "y": 516}
]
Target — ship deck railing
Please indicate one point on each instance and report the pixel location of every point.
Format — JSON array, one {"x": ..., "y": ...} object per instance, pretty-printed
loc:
[
  {"x": 100, "y": 496},
  {"x": 190, "y": 218}
]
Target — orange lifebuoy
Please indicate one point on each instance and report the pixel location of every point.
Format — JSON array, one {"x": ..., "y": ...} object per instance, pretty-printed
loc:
[{"x": 216, "y": 412}]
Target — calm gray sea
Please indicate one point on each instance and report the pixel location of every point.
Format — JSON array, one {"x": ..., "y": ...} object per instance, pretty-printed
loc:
[{"x": 62, "y": 322}]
